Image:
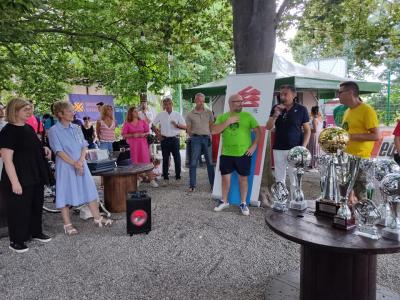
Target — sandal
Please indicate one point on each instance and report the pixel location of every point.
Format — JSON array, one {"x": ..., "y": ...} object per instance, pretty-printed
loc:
[
  {"x": 103, "y": 222},
  {"x": 70, "y": 230}
]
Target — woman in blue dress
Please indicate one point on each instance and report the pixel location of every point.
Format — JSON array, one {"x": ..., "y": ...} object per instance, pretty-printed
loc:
[{"x": 74, "y": 183}]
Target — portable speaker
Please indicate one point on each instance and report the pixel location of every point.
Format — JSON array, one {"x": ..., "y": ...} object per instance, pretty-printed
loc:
[{"x": 138, "y": 213}]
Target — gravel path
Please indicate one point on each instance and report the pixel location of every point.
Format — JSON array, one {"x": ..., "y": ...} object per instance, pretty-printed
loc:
[{"x": 191, "y": 253}]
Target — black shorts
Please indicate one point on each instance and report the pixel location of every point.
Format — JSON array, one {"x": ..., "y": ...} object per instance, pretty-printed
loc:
[{"x": 240, "y": 164}]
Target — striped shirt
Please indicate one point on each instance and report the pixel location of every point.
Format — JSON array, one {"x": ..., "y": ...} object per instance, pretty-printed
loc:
[{"x": 107, "y": 134}]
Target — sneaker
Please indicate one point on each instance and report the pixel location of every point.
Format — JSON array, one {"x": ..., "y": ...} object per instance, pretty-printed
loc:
[
  {"x": 191, "y": 189},
  {"x": 153, "y": 183},
  {"x": 165, "y": 182},
  {"x": 42, "y": 238},
  {"x": 244, "y": 209},
  {"x": 19, "y": 248},
  {"x": 221, "y": 205}
]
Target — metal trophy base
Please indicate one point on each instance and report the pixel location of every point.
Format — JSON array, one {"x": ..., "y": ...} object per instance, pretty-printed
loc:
[
  {"x": 392, "y": 234},
  {"x": 368, "y": 231},
  {"x": 279, "y": 206},
  {"x": 345, "y": 224},
  {"x": 325, "y": 208},
  {"x": 298, "y": 205}
]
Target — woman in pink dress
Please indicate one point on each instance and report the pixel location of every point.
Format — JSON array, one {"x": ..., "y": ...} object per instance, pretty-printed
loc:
[{"x": 135, "y": 132}]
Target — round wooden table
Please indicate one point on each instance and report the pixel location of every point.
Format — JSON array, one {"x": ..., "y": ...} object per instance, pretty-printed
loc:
[
  {"x": 120, "y": 181},
  {"x": 335, "y": 264}
]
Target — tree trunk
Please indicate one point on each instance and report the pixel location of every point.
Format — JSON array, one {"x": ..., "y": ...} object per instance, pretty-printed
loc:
[{"x": 254, "y": 31}]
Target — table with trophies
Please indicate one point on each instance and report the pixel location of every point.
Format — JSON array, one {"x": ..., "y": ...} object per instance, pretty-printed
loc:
[{"x": 339, "y": 240}]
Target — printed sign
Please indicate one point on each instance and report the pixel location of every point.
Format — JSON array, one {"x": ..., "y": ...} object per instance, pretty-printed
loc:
[{"x": 257, "y": 92}]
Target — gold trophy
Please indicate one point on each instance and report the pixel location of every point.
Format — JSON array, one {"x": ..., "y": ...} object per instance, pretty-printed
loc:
[{"x": 332, "y": 140}]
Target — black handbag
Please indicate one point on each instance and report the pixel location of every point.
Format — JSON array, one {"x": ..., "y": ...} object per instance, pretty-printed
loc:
[{"x": 152, "y": 139}]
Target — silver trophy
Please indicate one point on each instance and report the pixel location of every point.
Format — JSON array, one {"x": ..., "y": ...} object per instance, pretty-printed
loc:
[
  {"x": 368, "y": 166},
  {"x": 367, "y": 215},
  {"x": 346, "y": 168},
  {"x": 390, "y": 187},
  {"x": 323, "y": 162},
  {"x": 281, "y": 195},
  {"x": 299, "y": 158},
  {"x": 382, "y": 168}
]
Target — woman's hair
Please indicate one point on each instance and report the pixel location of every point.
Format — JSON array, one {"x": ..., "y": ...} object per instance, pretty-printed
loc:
[
  {"x": 13, "y": 107},
  {"x": 129, "y": 114},
  {"x": 315, "y": 110},
  {"x": 60, "y": 106},
  {"x": 104, "y": 110}
]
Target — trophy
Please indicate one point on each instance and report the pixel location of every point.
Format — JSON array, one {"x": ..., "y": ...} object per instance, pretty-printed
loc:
[
  {"x": 299, "y": 158},
  {"x": 390, "y": 187},
  {"x": 322, "y": 167},
  {"x": 367, "y": 215},
  {"x": 331, "y": 140},
  {"x": 281, "y": 195},
  {"x": 383, "y": 167},
  {"x": 368, "y": 166},
  {"x": 346, "y": 169}
]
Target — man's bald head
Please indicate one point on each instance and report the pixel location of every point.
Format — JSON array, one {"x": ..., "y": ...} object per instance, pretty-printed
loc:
[{"x": 235, "y": 103}]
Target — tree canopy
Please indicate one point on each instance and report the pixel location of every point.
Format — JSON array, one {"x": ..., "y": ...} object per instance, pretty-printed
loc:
[
  {"x": 366, "y": 32},
  {"x": 125, "y": 46}
]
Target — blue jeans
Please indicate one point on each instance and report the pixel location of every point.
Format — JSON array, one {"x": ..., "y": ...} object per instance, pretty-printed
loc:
[
  {"x": 200, "y": 145},
  {"x": 106, "y": 146}
]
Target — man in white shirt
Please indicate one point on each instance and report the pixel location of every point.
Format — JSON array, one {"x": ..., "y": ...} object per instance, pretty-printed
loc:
[
  {"x": 171, "y": 123},
  {"x": 145, "y": 112}
]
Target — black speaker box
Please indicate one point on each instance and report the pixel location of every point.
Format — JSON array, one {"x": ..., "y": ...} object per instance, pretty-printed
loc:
[{"x": 138, "y": 213}]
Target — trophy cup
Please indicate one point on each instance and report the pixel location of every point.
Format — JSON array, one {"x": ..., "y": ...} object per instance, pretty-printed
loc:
[
  {"x": 299, "y": 158},
  {"x": 390, "y": 187},
  {"x": 322, "y": 167},
  {"x": 382, "y": 168},
  {"x": 367, "y": 215},
  {"x": 346, "y": 169},
  {"x": 368, "y": 166},
  {"x": 331, "y": 140},
  {"x": 281, "y": 195}
]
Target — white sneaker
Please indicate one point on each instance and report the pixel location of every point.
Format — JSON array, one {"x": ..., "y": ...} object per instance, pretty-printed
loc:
[
  {"x": 221, "y": 205},
  {"x": 153, "y": 183},
  {"x": 244, "y": 209}
]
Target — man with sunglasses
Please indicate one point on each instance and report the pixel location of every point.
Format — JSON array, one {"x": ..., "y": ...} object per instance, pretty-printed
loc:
[
  {"x": 237, "y": 149},
  {"x": 292, "y": 128}
]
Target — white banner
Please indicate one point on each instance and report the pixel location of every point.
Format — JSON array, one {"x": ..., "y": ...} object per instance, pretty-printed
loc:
[{"x": 257, "y": 92}]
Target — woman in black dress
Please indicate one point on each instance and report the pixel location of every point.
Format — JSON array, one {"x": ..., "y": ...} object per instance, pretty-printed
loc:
[{"x": 23, "y": 176}]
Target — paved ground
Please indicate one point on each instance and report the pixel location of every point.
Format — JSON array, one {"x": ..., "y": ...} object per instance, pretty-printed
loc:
[{"x": 191, "y": 253}]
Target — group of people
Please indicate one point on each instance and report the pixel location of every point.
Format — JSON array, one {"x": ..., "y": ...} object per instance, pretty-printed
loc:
[{"x": 25, "y": 171}]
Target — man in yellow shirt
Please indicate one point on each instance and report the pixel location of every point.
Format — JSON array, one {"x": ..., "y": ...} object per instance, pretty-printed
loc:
[{"x": 361, "y": 122}]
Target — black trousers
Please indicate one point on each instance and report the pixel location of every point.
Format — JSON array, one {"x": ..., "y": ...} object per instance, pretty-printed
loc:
[
  {"x": 171, "y": 145},
  {"x": 24, "y": 212}
]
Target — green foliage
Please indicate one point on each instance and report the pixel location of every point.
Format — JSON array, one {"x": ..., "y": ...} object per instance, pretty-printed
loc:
[
  {"x": 387, "y": 114},
  {"x": 367, "y": 32},
  {"x": 122, "y": 45}
]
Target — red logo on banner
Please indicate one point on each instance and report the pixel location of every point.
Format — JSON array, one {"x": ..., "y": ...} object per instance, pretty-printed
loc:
[{"x": 251, "y": 97}]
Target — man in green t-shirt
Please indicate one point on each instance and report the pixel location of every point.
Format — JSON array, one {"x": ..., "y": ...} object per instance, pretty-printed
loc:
[{"x": 237, "y": 149}]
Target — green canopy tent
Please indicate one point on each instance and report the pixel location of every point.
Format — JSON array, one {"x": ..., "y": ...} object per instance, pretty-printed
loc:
[{"x": 287, "y": 72}]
